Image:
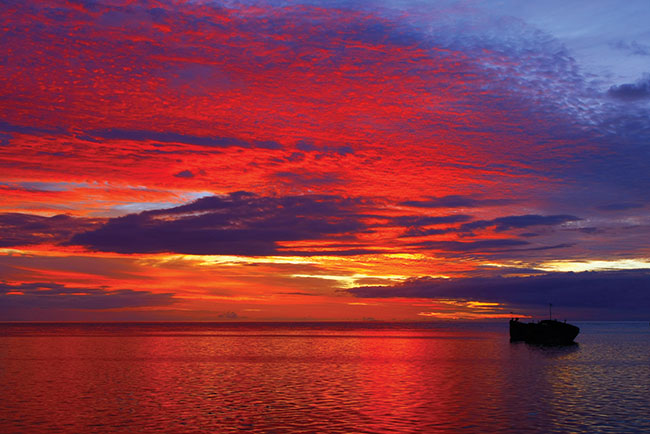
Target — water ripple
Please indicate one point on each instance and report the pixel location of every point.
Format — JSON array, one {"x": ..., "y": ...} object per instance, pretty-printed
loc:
[{"x": 319, "y": 378}]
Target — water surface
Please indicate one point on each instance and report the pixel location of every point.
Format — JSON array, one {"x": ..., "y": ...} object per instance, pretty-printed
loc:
[{"x": 320, "y": 377}]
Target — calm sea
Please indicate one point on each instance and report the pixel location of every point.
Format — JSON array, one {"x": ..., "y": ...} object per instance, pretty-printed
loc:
[{"x": 320, "y": 378}]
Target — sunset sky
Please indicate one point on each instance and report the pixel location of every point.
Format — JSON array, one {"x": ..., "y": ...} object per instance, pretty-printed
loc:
[{"x": 324, "y": 160}]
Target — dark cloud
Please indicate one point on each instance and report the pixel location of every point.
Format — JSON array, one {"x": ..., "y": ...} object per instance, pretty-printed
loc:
[
  {"x": 169, "y": 137},
  {"x": 473, "y": 246},
  {"x": 611, "y": 294},
  {"x": 501, "y": 224},
  {"x": 424, "y": 232},
  {"x": 5, "y": 139},
  {"x": 431, "y": 220},
  {"x": 38, "y": 186},
  {"x": 495, "y": 247},
  {"x": 47, "y": 295},
  {"x": 501, "y": 271},
  {"x": 621, "y": 206},
  {"x": 308, "y": 146},
  {"x": 417, "y": 226},
  {"x": 145, "y": 135},
  {"x": 239, "y": 224},
  {"x": 184, "y": 174},
  {"x": 26, "y": 229},
  {"x": 456, "y": 201},
  {"x": 7, "y": 127},
  {"x": 632, "y": 91},
  {"x": 295, "y": 157}
]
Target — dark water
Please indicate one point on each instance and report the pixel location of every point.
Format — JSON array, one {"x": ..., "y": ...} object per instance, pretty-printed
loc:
[{"x": 320, "y": 378}]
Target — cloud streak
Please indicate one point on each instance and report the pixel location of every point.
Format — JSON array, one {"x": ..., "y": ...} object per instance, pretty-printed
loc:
[
  {"x": 169, "y": 137},
  {"x": 47, "y": 295},
  {"x": 502, "y": 224}
]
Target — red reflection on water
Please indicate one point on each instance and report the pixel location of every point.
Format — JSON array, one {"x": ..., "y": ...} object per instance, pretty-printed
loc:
[{"x": 265, "y": 378}]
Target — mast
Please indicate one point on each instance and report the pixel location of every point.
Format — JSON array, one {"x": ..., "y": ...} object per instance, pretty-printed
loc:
[{"x": 550, "y": 315}]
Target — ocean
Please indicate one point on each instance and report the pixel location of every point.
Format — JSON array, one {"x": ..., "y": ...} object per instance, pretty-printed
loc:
[{"x": 320, "y": 378}]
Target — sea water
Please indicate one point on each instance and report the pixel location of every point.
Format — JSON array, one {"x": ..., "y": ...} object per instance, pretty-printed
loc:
[{"x": 320, "y": 378}]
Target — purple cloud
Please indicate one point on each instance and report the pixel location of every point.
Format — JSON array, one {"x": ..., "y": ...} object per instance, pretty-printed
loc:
[
  {"x": 26, "y": 229},
  {"x": 473, "y": 246},
  {"x": 237, "y": 224},
  {"x": 632, "y": 91},
  {"x": 502, "y": 224},
  {"x": 603, "y": 294},
  {"x": 431, "y": 220},
  {"x": 184, "y": 174},
  {"x": 170, "y": 137},
  {"x": 47, "y": 295}
]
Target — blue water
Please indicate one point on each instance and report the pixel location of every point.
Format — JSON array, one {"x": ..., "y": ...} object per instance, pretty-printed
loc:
[{"x": 320, "y": 377}]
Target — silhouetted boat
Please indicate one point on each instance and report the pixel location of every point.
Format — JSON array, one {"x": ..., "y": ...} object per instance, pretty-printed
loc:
[{"x": 546, "y": 332}]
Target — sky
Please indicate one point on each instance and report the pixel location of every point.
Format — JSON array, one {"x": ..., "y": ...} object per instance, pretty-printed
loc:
[{"x": 324, "y": 160}]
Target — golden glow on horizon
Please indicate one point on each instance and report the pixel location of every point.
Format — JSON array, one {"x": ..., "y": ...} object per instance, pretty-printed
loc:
[
  {"x": 223, "y": 297},
  {"x": 237, "y": 260},
  {"x": 482, "y": 304},
  {"x": 449, "y": 309},
  {"x": 463, "y": 315},
  {"x": 594, "y": 265},
  {"x": 352, "y": 280},
  {"x": 471, "y": 303}
]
